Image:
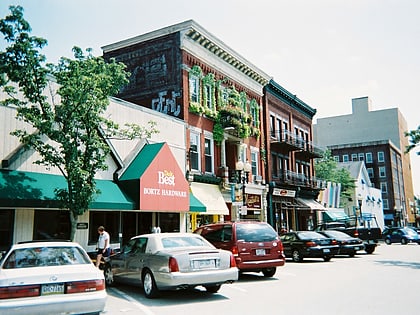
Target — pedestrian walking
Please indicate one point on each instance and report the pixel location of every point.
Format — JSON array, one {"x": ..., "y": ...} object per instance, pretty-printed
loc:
[{"x": 103, "y": 245}]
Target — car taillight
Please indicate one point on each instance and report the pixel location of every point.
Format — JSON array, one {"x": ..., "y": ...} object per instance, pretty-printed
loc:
[
  {"x": 232, "y": 261},
  {"x": 310, "y": 244},
  {"x": 19, "y": 291},
  {"x": 356, "y": 233},
  {"x": 234, "y": 250},
  {"x": 173, "y": 265},
  {"x": 85, "y": 286},
  {"x": 334, "y": 242}
]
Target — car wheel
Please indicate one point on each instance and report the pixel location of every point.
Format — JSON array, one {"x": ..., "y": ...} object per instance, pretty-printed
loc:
[
  {"x": 149, "y": 285},
  {"x": 108, "y": 275},
  {"x": 327, "y": 258},
  {"x": 269, "y": 272},
  {"x": 388, "y": 241},
  {"x": 404, "y": 241},
  {"x": 370, "y": 249},
  {"x": 352, "y": 254},
  {"x": 213, "y": 288},
  {"x": 296, "y": 256}
]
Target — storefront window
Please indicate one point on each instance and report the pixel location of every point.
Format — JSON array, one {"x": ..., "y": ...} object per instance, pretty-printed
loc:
[
  {"x": 109, "y": 219},
  {"x": 6, "y": 228},
  {"x": 51, "y": 224}
]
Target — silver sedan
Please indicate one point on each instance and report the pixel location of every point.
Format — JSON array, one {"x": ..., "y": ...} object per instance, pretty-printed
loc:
[{"x": 171, "y": 261}]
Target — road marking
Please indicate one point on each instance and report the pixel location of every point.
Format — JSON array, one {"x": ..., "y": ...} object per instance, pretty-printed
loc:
[{"x": 133, "y": 301}]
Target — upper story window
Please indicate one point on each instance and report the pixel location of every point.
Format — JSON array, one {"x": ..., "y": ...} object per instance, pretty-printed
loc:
[
  {"x": 382, "y": 172},
  {"x": 255, "y": 113},
  {"x": 385, "y": 204},
  {"x": 194, "y": 89},
  {"x": 209, "y": 99},
  {"x": 361, "y": 157},
  {"x": 384, "y": 187},
  {"x": 254, "y": 162},
  {"x": 345, "y": 157},
  {"x": 370, "y": 172},
  {"x": 273, "y": 126},
  {"x": 354, "y": 157},
  {"x": 381, "y": 156},
  {"x": 369, "y": 158},
  {"x": 194, "y": 153},
  {"x": 208, "y": 155},
  {"x": 336, "y": 158}
]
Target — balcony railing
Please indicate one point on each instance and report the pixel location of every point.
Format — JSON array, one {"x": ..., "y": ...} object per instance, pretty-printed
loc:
[
  {"x": 298, "y": 179},
  {"x": 288, "y": 141}
]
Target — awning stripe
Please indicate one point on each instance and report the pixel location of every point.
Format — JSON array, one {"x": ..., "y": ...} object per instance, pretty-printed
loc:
[
  {"x": 196, "y": 205},
  {"x": 211, "y": 197}
]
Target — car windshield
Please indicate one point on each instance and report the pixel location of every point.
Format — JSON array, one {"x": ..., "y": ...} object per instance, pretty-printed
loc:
[
  {"x": 45, "y": 256},
  {"x": 255, "y": 232},
  {"x": 410, "y": 231},
  {"x": 183, "y": 241},
  {"x": 308, "y": 235},
  {"x": 337, "y": 234}
]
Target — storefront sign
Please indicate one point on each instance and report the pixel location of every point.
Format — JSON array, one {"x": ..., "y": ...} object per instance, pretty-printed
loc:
[
  {"x": 82, "y": 225},
  {"x": 253, "y": 202},
  {"x": 163, "y": 186},
  {"x": 284, "y": 192}
]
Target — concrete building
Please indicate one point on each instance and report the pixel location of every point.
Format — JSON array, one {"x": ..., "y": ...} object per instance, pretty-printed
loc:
[{"x": 377, "y": 138}]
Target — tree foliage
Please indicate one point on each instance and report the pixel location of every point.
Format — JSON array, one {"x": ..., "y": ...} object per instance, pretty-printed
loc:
[
  {"x": 327, "y": 168},
  {"x": 71, "y": 130},
  {"x": 414, "y": 140}
]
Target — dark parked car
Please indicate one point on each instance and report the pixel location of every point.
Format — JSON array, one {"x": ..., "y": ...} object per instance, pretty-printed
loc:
[
  {"x": 401, "y": 235},
  {"x": 255, "y": 245},
  {"x": 348, "y": 245},
  {"x": 300, "y": 244}
]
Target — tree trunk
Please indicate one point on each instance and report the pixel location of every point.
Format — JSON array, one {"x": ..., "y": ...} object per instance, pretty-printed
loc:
[{"x": 73, "y": 223}]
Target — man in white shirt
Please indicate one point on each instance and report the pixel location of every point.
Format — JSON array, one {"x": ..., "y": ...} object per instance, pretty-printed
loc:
[{"x": 103, "y": 245}]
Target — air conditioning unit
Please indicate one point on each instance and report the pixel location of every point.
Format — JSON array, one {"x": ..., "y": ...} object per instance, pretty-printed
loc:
[{"x": 257, "y": 179}]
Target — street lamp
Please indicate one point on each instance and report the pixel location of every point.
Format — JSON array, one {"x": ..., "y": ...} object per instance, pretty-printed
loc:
[{"x": 243, "y": 170}]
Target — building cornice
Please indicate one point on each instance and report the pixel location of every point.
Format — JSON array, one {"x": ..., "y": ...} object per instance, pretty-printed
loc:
[
  {"x": 291, "y": 99},
  {"x": 191, "y": 32}
]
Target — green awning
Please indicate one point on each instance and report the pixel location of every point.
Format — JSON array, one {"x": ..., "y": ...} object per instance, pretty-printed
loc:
[
  {"x": 37, "y": 190},
  {"x": 334, "y": 215},
  {"x": 196, "y": 205}
]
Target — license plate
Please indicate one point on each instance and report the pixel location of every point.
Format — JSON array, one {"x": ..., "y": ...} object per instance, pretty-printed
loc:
[
  {"x": 56, "y": 288},
  {"x": 326, "y": 250},
  {"x": 357, "y": 248},
  {"x": 203, "y": 264},
  {"x": 260, "y": 252}
]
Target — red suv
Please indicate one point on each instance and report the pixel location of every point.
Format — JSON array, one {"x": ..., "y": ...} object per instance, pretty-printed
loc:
[{"x": 255, "y": 245}]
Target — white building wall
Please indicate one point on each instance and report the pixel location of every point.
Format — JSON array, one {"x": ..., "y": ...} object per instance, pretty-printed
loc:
[{"x": 361, "y": 126}]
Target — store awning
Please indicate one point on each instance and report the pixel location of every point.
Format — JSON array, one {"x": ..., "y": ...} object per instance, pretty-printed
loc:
[
  {"x": 334, "y": 215},
  {"x": 155, "y": 179},
  {"x": 196, "y": 205},
  {"x": 310, "y": 203},
  {"x": 20, "y": 189},
  {"x": 211, "y": 197}
]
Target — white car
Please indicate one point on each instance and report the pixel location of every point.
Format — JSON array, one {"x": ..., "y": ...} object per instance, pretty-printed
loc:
[
  {"x": 171, "y": 261},
  {"x": 50, "y": 278}
]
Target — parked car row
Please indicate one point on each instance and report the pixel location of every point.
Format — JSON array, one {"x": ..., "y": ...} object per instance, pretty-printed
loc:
[{"x": 51, "y": 277}]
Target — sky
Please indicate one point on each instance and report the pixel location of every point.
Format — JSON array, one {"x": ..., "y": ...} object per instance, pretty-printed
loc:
[{"x": 327, "y": 52}]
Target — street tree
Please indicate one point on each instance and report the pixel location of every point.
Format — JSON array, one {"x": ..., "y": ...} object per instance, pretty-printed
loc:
[
  {"x": 414, "y": 140},
  {"x": 71, "y": 131},
  {"x": 327, "y": 168}
]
